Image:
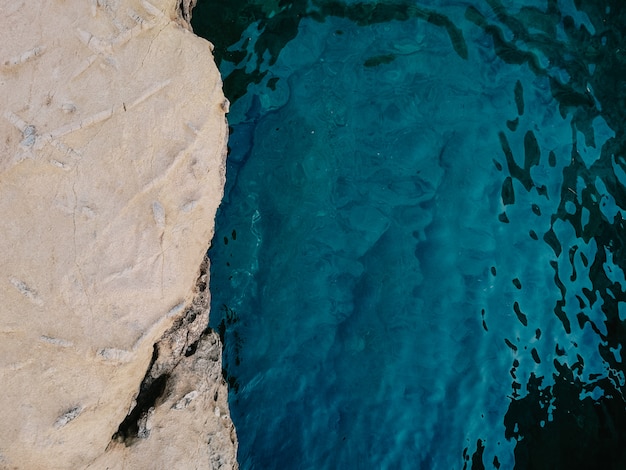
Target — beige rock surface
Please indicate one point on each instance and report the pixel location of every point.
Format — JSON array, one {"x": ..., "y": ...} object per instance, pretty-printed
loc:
[
  {"x": 188, "y": 426},
  {"x": 112, "y": 148}
]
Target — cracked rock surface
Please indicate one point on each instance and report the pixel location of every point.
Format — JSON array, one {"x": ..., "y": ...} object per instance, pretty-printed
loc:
[{"x": 112, "y": 157}]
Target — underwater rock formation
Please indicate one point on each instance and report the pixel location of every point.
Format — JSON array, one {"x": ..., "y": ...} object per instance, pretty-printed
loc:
[{"x": 470, "y": 161}]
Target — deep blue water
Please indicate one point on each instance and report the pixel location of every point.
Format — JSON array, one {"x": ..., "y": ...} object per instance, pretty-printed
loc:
[{"x": 419, "y": 259}]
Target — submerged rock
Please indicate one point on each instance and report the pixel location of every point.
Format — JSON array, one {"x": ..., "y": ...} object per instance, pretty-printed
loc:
[{"x": 112, "y": 165}]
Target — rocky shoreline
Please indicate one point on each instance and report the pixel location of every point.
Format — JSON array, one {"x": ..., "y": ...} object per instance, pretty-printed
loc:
[{"x": 113, "y": 165}]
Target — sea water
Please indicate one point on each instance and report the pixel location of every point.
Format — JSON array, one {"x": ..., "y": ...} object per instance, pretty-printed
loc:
[{"x": 419, "y": 259}]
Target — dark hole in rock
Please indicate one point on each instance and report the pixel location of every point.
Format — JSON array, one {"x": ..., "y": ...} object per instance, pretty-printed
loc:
[
  {"x": 149, "y": 392},
  {"x": 191, "y": 349}
]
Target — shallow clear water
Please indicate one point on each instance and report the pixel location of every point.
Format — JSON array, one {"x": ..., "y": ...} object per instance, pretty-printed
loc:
[{"x": 424, "y": 205}]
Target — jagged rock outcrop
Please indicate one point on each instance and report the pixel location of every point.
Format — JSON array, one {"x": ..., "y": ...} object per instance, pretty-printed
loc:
[
  {"x": 182, "y": 404},
  {"x": 112, "y": 152}
]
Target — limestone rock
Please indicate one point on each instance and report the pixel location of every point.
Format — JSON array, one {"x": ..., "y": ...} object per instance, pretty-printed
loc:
[
  {"x": 112, "y": 152},
  {"x": 182, "y": 405}
]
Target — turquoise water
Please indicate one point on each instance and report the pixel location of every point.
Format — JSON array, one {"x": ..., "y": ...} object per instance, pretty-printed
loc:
[{"x": 419, "y": 259}]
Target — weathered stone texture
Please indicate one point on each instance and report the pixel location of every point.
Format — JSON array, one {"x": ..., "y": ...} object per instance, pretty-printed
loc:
[{"x": 112, "y": 152}]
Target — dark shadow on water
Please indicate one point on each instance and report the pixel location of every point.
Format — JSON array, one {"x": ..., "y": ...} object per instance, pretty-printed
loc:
[
  {"x": 224, "y": 23},
  {"x": 561, "y": 426}
]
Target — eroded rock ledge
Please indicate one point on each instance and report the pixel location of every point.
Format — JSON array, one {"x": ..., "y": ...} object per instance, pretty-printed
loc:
[
  {"x": 182, "y": 404},
  {"x": 112, "y": 154}
]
